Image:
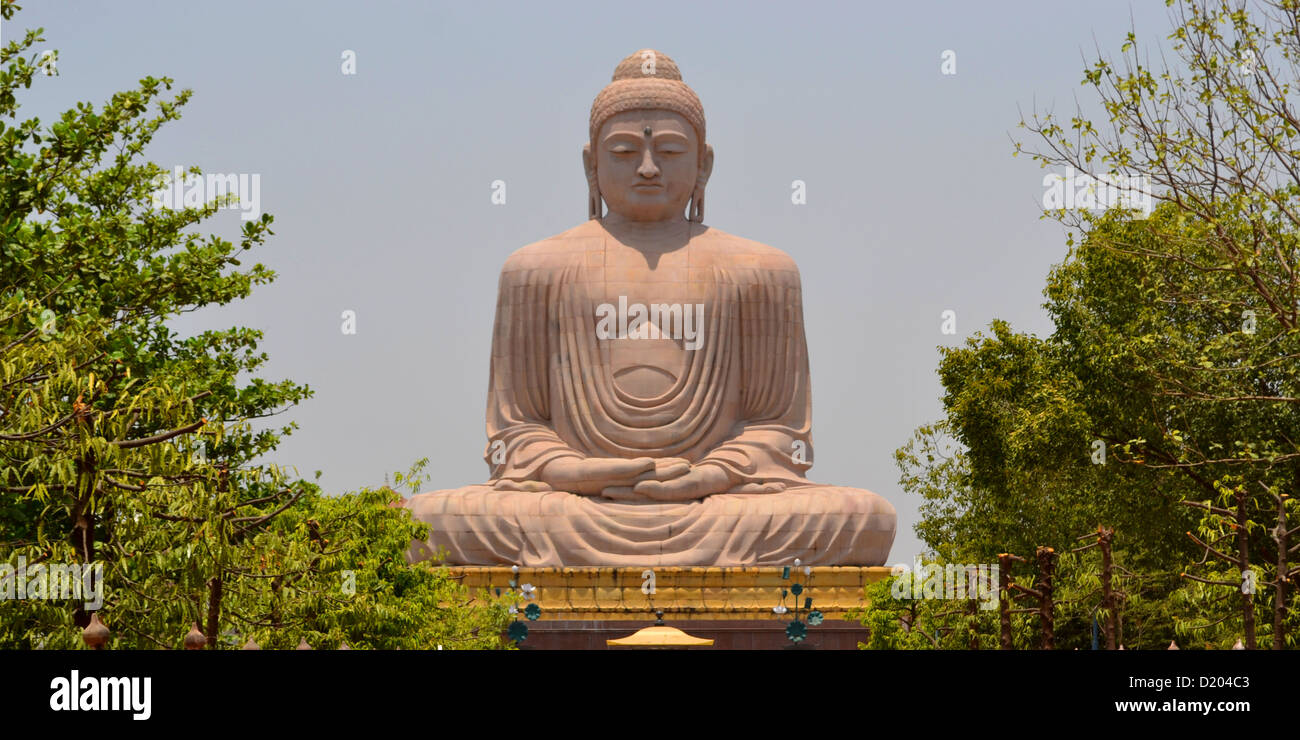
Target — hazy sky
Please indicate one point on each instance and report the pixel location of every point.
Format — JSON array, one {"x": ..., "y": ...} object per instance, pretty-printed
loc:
[{"x": 381, "y": 183}]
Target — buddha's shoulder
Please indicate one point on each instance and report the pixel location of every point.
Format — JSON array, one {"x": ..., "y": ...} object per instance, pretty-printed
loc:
[
  {"x": 557, "y": 249},
  {"x": 724, "y": 247},
  {"x": 709, "y": 245}
]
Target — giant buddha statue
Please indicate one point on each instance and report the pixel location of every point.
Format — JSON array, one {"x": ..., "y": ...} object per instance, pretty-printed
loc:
[{"x": 649, "y": 401}]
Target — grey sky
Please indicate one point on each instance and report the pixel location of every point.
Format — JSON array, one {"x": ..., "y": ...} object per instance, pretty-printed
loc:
[{"x": 380, "y": 184}]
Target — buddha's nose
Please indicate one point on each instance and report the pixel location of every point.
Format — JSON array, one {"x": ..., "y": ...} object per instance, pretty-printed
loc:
[{"x": 648, "y": 168}]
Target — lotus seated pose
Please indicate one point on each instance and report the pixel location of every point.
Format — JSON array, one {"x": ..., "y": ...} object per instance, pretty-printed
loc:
[{"x": 649, "y": 399}]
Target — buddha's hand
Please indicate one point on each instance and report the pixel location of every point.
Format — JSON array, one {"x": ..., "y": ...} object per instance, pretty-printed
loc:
[
  {"x": 698, "y": 482},
  {"x": 593, "y": 476},
  {"x": 666, "y": 468}
]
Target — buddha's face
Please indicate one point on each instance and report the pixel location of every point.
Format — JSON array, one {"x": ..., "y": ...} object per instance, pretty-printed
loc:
[{"x": 647, "y": 164}]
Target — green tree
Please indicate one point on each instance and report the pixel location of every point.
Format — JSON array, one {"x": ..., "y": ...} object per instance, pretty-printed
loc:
[
  {"x": 126, "y": 445},
  {"x": 1164, "y": 404},
  {"x": 899, "y": 616},
  {"x": 1216, "y": 376}
]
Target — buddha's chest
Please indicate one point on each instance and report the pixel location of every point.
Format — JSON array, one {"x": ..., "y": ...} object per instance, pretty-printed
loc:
[{"x": 651, "y": 316}]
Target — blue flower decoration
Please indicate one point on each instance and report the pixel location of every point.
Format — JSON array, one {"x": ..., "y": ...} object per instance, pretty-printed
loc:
[
  {"x": 518, "y": 631},
  {"x": 815, "y": 618},
  {"x": 532, "y": 611},
  {"x": 796, "y": 589},
  {"x": 785, "y": 572},
  {"x": 796, "y": 631}
]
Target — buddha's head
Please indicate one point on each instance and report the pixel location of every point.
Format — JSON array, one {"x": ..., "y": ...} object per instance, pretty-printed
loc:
[{"x": 647, "y": 157}]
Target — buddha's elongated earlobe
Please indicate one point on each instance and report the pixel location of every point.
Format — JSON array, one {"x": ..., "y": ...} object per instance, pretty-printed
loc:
[
  {"x": 696, "y": 212},
  {"x": 594, "y": 210}
]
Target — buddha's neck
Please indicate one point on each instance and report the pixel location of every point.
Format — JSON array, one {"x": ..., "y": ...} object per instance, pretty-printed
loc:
[{"x": 666, "y": 234}]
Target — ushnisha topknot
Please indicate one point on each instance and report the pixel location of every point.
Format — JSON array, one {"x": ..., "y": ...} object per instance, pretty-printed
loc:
[{"x": 647, "y": 80}]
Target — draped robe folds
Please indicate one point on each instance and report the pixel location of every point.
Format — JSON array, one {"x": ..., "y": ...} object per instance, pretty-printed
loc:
[{"x": 740, "y": 400}]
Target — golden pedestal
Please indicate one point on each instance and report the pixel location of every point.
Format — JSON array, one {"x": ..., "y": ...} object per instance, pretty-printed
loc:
[{"x": 606, "y": 594}]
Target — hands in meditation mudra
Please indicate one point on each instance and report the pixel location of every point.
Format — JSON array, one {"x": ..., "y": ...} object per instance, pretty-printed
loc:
[{"x": 649, "y": 400}]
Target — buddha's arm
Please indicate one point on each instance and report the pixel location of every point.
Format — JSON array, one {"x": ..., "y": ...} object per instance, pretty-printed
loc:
[
  {"x": 770, "y": 447},
  {"x": 521, "y": 440}
]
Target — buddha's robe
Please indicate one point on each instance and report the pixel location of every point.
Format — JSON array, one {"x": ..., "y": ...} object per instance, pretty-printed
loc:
[{"x": 740, "y": 400}]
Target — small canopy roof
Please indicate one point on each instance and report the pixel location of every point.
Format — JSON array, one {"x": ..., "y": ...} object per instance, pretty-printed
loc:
[{"x": 659, "y": 636}]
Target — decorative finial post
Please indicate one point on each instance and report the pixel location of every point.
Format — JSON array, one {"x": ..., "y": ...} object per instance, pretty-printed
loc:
[
  {"x": 797, "y": 630},
  {"x": 518, "y": 631},
  {"x": 95, "y": 635}
]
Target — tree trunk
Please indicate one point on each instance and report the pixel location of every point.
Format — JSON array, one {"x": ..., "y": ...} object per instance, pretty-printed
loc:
[
  {"x": 1004, "y": 602},
  {"x": 1046, "y": 609},
  {"x": 1243, "y": 563},
  {"x": 1280, "y": 580},
  {"x": 214, "y": 609},
  {"x": 82, "y": 536},
  {"x": 1104, "y": 539},
  {"x": 973, "y": 623}
]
